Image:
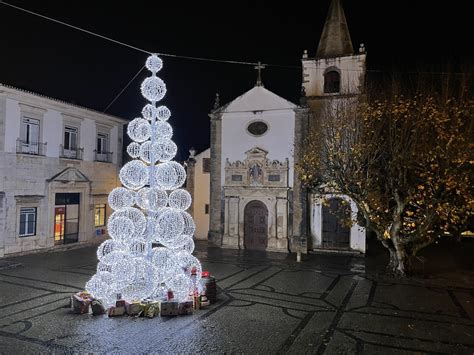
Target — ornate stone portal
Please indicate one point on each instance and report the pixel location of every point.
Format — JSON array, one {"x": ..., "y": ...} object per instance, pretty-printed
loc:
[{"x": 256, "y": 203}]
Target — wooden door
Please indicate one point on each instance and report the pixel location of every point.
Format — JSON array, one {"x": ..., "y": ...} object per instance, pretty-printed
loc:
[
  {"x": 336, "y": 233},
  {"x": 255, "y": 226}
]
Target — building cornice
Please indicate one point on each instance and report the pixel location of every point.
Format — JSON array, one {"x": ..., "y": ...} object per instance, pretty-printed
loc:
[{"x": 41, "y": 101}]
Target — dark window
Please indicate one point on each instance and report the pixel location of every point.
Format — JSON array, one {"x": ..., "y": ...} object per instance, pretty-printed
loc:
[
  {"x": 70, "y": 138},
  {"x": 273, "y": 177},
  {"x": 102, "y": 143},
  {"x": 67, "y": 199},
  {"x": 236, "y": 177},
  {"x": 206, "y": 209},
  {"x": 27, "y": 222},
  {"x": 206, "y": 165},
  {"x": 332, "y": 82},
  {"x": 257, "y": 128}
]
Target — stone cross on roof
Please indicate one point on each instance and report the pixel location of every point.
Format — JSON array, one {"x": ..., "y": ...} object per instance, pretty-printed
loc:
[{"x": 259, "y": 67}]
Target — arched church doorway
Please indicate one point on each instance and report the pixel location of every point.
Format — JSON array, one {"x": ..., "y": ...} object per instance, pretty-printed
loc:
[
  {"x": 255, "y": 226},
  {"x": 336, "y": 233}
]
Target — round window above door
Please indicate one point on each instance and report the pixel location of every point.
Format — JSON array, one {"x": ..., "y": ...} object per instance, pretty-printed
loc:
[{"x": 257, "y": 128}]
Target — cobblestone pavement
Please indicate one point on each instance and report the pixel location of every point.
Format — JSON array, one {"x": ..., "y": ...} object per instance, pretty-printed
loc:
[{"x": 267, "y": 304}]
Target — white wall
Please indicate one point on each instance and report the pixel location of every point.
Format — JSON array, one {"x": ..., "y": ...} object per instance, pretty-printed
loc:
[
  {"x": 114, "y": 144},
  {"x": 12, "y": 125},
  {"x": 278, "y": 140},
  {"x": 258, "y": 104},
  {"x": 52, "y": 132},
  {"x": 202, "y": 183},
  {"x": 88, "y": 138},
  {"x": 357, "y": 233}
]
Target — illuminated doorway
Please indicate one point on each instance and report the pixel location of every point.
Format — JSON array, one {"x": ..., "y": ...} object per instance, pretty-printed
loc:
[{"x": 66, "y": 218}]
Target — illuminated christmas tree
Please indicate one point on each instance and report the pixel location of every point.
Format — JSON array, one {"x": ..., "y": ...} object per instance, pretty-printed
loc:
[{"x": 149, "y": 252}]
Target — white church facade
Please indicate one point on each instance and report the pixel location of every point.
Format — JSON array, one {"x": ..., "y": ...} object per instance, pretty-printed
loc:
[{"x": 256, "y": 199}]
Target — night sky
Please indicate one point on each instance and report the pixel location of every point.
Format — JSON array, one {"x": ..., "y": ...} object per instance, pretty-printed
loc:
[{"x": 63, "y": 63}]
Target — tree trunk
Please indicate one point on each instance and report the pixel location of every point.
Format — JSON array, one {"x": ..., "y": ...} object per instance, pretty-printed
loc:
[{"x": 399, "y": 263}]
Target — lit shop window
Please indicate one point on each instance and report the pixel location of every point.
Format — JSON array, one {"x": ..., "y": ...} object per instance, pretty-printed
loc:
[{"x": 99, "y": 215}]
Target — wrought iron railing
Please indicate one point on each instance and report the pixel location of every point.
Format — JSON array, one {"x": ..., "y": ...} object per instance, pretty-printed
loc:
[
  {"x": 105, "y": 157},
  {"x": 33, "y": 148},
  {"x": 74, "y": 153}
]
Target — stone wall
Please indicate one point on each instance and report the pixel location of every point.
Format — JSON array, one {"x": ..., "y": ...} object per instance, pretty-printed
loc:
[
  {"x": 216, "y": 200},
  {"x": 26, "y": 182}
]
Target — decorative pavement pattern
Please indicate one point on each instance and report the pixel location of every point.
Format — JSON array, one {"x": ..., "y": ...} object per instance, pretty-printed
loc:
[{"x": 267, "y": 303}]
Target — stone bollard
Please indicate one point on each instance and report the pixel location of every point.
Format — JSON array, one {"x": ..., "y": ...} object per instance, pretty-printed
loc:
[{"x": 298, "y": 256}]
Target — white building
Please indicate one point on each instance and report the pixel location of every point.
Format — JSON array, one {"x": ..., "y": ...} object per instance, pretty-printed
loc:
[
  {"x": 58, "y": 162},
  {"x": 256, "y": 199}
]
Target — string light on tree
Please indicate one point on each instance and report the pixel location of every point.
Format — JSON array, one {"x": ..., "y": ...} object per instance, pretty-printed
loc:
[{"x": 149, "y": 209}]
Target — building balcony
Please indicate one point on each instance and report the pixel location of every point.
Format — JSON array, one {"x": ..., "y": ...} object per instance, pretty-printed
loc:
[
  {"x": 74, "y": 153},
  {"x": 105, "y": 157},
  {"x": 32, "y": 148}
]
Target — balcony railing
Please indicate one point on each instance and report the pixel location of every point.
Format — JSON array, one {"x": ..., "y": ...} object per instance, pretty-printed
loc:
[
  {"x": 74, "y": 153},
  {"x": 105, "y": 157},
  {"x": 33, "y": 148}
]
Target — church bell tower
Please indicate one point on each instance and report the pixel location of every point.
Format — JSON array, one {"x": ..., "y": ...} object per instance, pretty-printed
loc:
[{"x": 335, "y": 71}]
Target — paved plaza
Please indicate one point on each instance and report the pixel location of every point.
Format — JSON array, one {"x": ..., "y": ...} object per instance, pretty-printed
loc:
[{"x": 268, "y": 303}]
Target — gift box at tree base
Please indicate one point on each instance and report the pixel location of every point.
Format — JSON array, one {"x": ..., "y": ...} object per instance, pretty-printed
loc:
[
  {"x": 84, "y": 303},
  {"x": 149, "y": 256}
]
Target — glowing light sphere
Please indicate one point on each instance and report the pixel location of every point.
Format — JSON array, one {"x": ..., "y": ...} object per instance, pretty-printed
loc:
[
  {"x": 139, "y": 129},
  {"x": 180, "y": 199},
  {"x": 121, "y": 198},
  {"x": 151, "y": 153},
  {"x": 138, "y": 247},
  {"x": 181, "y": 286},
  {"x": 163, "y": 131},
  {"x": 177, "y": 243},
  {"x": 170, "y": 224},
  {"x": 170, "y": 175},
  {"x": 134, "y": 175},
  {"x": 137, "y": 218},
  {"x": 123, "y": 269},
  {"x": 189, "y": 226},
  {"x": 108, "y": 247},
  {"x": 101, "y": 286},
  {"x": 190, "y": 264},
  {"x": 167, "y": 150},
  {"x": 141, "y": 198},
  {"x": 180, "y": 174},
  {"x": 157, "y": 199},
  {"x": 166, "y": 176},
  {"x": 112, "y": 258},
  {"x": 149, "y": 112},
  {"x": 133, "y": 150},
  {"x": 189, "y": 245},
  {"x": 101, "y": 266},
  {"x": 163, "y": 113},
  {"x": 153, "y": 89},
  {"x": 149, "y": 208},
  {"x": 140, "y": 273},
  {"x": 154, "y": 63},
  {"x": 120, "y": 228},
  {"x": 164, "y": 263}
]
